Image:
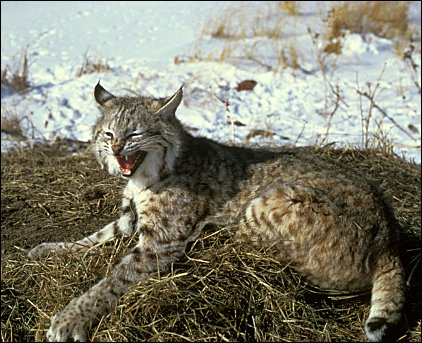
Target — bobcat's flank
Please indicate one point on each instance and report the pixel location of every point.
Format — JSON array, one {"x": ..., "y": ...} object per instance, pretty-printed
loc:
[{"x": 332, "y": 226}]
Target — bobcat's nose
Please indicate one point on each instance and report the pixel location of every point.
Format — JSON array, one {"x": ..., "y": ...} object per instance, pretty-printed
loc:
[{"x": 116, "y": 148}]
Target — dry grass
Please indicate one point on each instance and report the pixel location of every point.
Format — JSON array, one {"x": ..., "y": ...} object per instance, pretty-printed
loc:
[
  {"x": 91, "y": 65},
  {"x": 17, "y": 77},
  {"x": 290, "y": 7},
  {"x": 248, "y": 32},
  {"x": 414, "y": 65},
  {"x": 220, "y": 291},
  {"x": 241, "y": 23},
  {"x": 236, "y": 30},
  {"x": 259, "y": 132},
  {"x": 289, "y": 56},
  {"x": 11, "y": 124},
  {"x": 383, "y": 18},
  {"x": 220, "y": 54},
  {"x": 377, "y": 137}
]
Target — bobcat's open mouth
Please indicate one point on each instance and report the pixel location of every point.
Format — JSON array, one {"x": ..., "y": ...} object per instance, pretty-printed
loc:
[{"x": 129, "y": 164}]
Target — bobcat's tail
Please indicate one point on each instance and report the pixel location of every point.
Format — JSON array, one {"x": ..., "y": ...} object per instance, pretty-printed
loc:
[{"x": 387, "y": 298}]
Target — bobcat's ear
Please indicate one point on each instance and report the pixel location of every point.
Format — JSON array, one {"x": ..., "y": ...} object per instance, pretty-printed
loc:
[
  {"x": 171, "y": 103},
  {"x": 101, "y": 95}
]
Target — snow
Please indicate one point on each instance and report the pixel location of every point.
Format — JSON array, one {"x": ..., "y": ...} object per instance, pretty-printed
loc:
[{"x": 140, "y": 41}]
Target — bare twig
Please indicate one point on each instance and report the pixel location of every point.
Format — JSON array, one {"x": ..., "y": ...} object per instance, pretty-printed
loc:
[
  {"x": 331, "y": 115},
  {"x": 408, "y": 57},
  {"x": 301, "y": 132},
  {"x": 375, "y": 105}
]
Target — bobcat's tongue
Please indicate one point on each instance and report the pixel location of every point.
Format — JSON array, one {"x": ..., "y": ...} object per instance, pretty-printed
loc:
[{"x": 129, "y": 164}]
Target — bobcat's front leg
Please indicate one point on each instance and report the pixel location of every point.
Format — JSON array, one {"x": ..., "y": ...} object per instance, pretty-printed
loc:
[
  {"x": 125, "y": 225},
  {"x": 163, "y": 236},
  {"x": 76, "y": 319}
]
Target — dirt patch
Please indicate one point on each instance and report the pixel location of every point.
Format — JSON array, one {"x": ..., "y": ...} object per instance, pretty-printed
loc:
[
  {"x": 217, "y": 292},
  {"x": 50, "y": 194}
]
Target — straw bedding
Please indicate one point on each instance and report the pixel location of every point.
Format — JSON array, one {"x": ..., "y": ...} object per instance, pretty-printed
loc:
[{"x": 220, "y": 291}]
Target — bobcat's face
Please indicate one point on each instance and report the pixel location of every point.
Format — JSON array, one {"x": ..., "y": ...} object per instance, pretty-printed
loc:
[
  {"x": 137, "y": 138},
  {"x": 123, "y": 152}
]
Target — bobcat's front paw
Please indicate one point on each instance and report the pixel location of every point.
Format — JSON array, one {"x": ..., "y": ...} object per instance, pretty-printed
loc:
[
  {"x": 69, "y": 325},
  {"x": 41, "y": 250}
]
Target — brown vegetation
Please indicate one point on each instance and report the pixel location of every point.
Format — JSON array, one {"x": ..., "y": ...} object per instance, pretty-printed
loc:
[
  {"x": 383, "y": 18},
  {"x": 91, "y": 65},
  {"x": 219, "y": 291},
  {"x": 290, "y": 7},
  {"x": 11, "y": 124},
  {"x": 17, "y": 77}
]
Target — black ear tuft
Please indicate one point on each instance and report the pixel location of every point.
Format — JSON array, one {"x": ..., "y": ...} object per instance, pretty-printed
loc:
[{"x": 101, "y": 95}]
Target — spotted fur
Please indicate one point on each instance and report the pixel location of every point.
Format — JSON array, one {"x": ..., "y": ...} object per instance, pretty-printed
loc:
[{"x": 336, "y": 228}]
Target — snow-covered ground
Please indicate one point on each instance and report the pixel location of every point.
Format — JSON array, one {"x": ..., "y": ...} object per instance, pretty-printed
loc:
[{"x": 140, "y": 41}]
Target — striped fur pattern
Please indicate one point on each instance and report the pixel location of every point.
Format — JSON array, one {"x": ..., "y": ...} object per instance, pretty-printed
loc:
[{"x": 335, "y": 228}]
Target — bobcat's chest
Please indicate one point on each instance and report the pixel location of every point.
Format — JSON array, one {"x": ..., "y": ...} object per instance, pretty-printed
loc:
[{"x": 165, "y": 214}]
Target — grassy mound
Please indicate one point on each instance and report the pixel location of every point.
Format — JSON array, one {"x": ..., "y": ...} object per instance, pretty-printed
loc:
[{"x": 219, "y": 291}]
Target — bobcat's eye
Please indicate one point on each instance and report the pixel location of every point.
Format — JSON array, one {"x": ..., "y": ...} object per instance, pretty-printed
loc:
[
  {"x": 108, "y": 134},
  {"x": 133, "y": 135}
]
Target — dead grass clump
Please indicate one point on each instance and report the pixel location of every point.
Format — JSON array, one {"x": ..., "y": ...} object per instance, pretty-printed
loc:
[
  {"x": 289, "y": 57},
  {"x": 387, "y": 19},
  {"x": 259, "y": 132},
  {"x": 241, "y": 23},
  {"x": 249, "y": 35},
  {"x": 17, "y": 77},
  {"x": 91, "y": 65},
  {"x": 224, "y": 27},
  {"x": 11, "y": 124},
  {"x": 290, "y": 7},
  {"x": 220, "y": 291}
]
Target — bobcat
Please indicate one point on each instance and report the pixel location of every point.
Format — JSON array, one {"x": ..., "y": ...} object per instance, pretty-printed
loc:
[{"x": 333, "y": 227}]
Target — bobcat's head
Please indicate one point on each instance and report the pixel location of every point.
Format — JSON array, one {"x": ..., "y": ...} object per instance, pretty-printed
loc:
[{"x": 138, "y": 138}]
